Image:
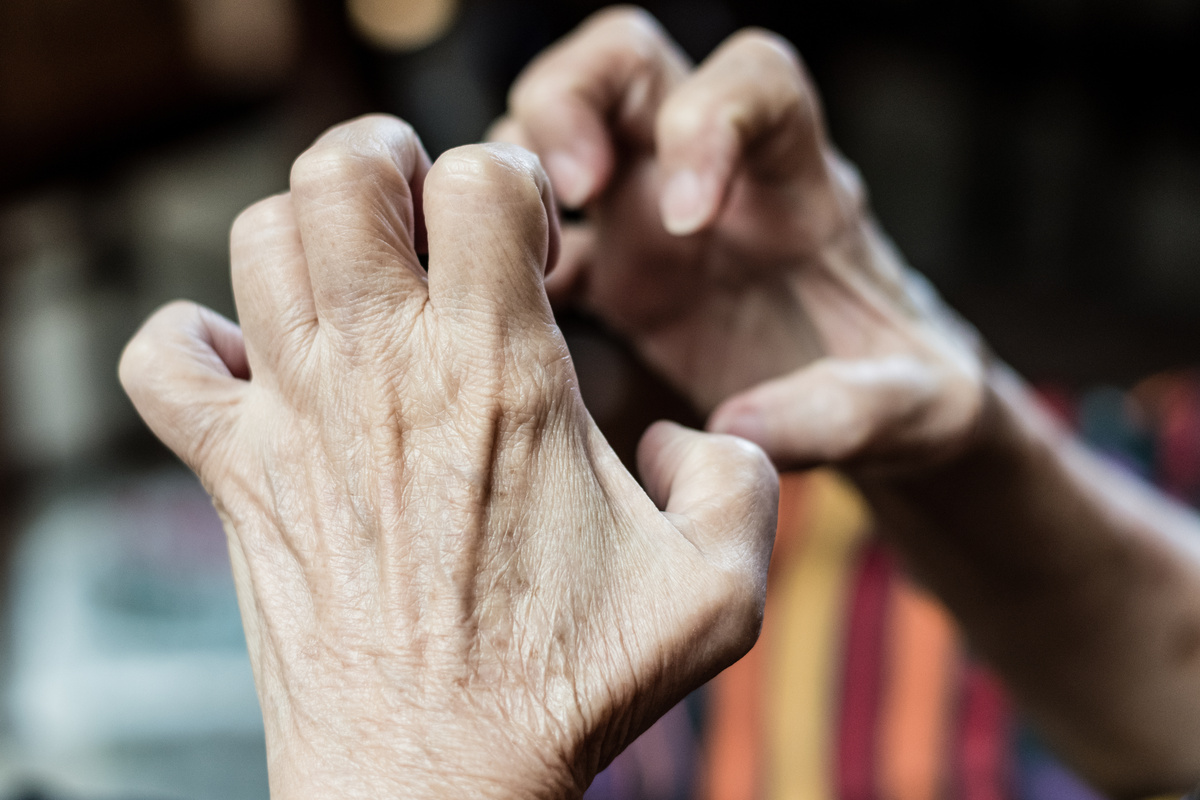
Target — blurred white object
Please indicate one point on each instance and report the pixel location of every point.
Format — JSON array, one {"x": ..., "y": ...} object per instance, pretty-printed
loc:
[
  {"x": 61, "y": 402},
  {"x": 127, "y": 638}
]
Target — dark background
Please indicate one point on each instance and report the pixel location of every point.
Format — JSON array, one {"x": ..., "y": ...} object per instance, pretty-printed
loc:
[{"x": 1039, "y": 160}]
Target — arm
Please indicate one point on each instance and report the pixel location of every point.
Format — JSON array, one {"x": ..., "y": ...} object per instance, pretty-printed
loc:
[
  {"x": 774, "y": 302},
  {"x": 1078, "y": 581}
]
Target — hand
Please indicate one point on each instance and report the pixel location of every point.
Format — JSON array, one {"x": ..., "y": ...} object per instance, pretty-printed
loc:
[
  {"x": 449, "y": 584},
  {"x": 728, "y": 240}
]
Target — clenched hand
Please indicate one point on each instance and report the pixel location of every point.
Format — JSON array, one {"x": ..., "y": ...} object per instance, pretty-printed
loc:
[
  {"x": 727, "y": 239},
  {"x": 450, "y": 585}
]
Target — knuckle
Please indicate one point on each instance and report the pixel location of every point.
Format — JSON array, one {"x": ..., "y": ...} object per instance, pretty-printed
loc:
[
  {"x": 755, "y": 80},
  {"x": 135, "y": 363},
  {"x": 635, "y": 26},
  {"x": 360, "y": 149},
  {"x": 142, "y": 359},
  {"x": 742, "y": 601},
  {"x": 761, "y": 45},
  {"x": 368, "y": 129},
  {"x": 777, "y": 67},
  {"x": 750, "y": 481},
  {"x": 252, "y": 221},
  {"x": 505, "y": 172},
  {"x": 685, "y": 115},
  {"x": 328, "y": 164},
  {"x": 746, "y": 460},
  {"x": 541, "y": 88},
  {"x": 847, "y": 182},
  {"x": 854, "y": 439},
  {"x": 624, "y": 41}
]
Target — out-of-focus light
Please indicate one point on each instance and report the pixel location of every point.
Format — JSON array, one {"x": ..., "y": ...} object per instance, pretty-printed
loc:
[
  {"x": 243, "y": 45},
  {"x": 402, "y": 24}
]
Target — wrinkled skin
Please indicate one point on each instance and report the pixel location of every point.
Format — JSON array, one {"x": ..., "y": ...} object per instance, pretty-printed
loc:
[
  {"x": 450, "y": 585},
  {"x": 729, "y": 242}
]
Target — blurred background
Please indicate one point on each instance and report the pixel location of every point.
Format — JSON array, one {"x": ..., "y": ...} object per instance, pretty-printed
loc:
[{"x": 1039, "y": 160}]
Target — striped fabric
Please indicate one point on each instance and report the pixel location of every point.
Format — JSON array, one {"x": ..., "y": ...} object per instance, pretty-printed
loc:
[{"x": 860, "y": 687}]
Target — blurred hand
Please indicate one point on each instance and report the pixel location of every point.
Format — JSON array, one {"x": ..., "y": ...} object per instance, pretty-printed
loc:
[
  {"x": 728, "y": 240},
  {"x": 450, "y": 585}
]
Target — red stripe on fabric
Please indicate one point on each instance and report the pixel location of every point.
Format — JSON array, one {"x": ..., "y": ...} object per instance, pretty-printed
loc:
[
  {"x": 862, "y": 676},
  {"x": 734, "y": 748},
  {"x": 794, "y": 523},
  {"x": 985, "y": 771}
]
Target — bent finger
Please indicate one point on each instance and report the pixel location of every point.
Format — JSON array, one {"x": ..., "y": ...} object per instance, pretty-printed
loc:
[
  {"x": 508, "y": 130},
  {"x": 890, "y": 410},
  {"x": 750, "y": 106},
  {"x": 493, "y": 231},
  {"x": 270, "y": 282},
  {"x": 721, "y": 491},
  {"x": 357, "y": 199},
  {"x": 613, "y": 72},
  {"x": 185, "y": 371}
]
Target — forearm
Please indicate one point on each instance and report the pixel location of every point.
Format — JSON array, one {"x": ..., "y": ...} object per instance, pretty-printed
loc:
[{"x": 1078, "y": 582}]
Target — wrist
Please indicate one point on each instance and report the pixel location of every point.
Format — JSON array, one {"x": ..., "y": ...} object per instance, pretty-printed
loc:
[
  {"x": 389, "y": 759},
  {"x": 968, "y": 523},
  {"x": 1010, "y": 430}
]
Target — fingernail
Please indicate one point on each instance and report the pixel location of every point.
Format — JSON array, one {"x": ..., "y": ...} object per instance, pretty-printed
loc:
[
  {"x": 686, "y": 203},
  {"x": 746, "y": 424},
  {"x": 571, "y": 181}
]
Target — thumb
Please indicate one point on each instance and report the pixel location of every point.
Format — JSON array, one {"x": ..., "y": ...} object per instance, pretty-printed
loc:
[
  {"x": 721, "y": 492},
  {"x": 185, "y": 372},
  {"x": 837, "y": 410}
]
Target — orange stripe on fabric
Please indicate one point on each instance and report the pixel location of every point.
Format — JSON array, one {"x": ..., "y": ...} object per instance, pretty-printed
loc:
[
  {"x": 734, "y": 751},
  {"x": 806, "y": 642},
  {"x": 923, "y": 667}
]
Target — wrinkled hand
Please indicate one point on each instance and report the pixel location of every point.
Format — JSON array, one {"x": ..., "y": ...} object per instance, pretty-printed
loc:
[
  {"x": 449, "y": 584},
  {"x": 728, "y": 240}
]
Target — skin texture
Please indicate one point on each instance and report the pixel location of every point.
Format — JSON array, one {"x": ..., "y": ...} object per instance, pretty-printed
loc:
[
  {"x": 725, "y": 237},
  {"x": 450, "y": 586}
]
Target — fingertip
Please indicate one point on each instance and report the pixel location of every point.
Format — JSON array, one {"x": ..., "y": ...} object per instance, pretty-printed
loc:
[
  {"x": 741, "y": 418},
  {"x": 699, "y": 151},
  {"x": 569, "y": 135},
  {"x": 507, "y": 129},
  {"x": 177, "y": 372},
  {"x": 725, "y": 487},
  {"x": 574, "y": 183},
  {"x": 667, "y": 448},
  {"x": 689, "y": 202}
]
